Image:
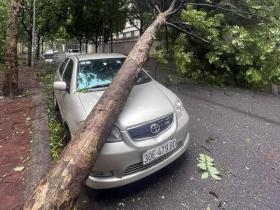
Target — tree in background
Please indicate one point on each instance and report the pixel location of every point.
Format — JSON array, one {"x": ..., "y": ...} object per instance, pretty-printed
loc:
[
  {"x": 11, "y": 70},
  {"x": 238, "y": 44},
  {"x": 50, "y": 15},
  {"x": 4, "y": 5},
  {"x": 50, "y": 21},
  {"x": 139, "y": 15},
  {"x": 95, "y": 20}
]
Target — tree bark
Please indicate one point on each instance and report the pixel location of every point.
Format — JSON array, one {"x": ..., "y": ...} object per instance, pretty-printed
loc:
[
  {"x": 29, "y": 48},
  {"x": 38, "y": 47},
  {"x": 61, "y": 186},
  {"x": 11, "y": 71},
  {"x": 86, "y": 46},
  {"x": 80, "y": 42},
  {"x": 42, "y": 46}
]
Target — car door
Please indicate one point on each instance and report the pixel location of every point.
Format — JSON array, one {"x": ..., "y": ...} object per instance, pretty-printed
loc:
[
  {"x": 58, "y": 77},
  {"x": 65, "y": 95}
]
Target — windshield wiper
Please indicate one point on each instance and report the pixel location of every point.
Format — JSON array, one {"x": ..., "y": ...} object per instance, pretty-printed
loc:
[{"x": 87, "y": 89}]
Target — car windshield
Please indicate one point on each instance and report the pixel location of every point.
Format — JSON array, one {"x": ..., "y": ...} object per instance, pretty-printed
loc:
[{"x": 99, "y": 73}]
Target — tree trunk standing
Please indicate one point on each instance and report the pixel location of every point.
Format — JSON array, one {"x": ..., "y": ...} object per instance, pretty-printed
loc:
[
  {"x": 111, "y": 35},
  {"x": 86, "y": 46},
  {"x": 103, "y": 36},
  {"x": 80, "y": 42},
  {"x": 11, "y": 71},
  {"x": 61, "y": 186},
  {"x": 96, "y": 46},
  {"x": 141, "y": 27},
  {"x": 29, "y": 48},
  {"x": 42, "y": 47},
  {"x": 38, "y": 47},
  {"x": 166, "y": 39},
  {"x": 96, "y": 41},
  {"x": 111, "y": 44}
]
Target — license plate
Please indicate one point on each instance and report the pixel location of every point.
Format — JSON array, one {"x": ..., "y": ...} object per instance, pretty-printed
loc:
[{"x": 157, "y": 152}]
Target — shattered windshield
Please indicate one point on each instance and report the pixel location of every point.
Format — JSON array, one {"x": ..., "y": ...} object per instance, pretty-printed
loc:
[{"x": 99, "y": 73}]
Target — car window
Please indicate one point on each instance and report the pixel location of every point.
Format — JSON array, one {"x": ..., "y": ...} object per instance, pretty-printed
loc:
[
  {"x": 62, "y": 66},
  {"x": 68, "y": 73}
]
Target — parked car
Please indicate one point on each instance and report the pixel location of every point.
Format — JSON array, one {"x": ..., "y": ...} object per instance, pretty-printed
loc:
[
  {"x": 72, "y": 52},
  {"x": 151, "y": 131},
  {"x": 49, "y": 54}
]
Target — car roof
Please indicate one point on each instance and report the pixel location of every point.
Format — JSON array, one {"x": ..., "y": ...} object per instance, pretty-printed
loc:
[{"x": 93, "y": 56}]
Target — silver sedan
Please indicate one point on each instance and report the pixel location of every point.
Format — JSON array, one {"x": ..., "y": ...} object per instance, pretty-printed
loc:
[{"x": 151, "y": 131}]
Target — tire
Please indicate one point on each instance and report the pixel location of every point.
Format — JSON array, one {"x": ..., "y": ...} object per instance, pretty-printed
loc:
[
  {"x": 67, "y": 135},
  {"x": 56, "y": 109}
]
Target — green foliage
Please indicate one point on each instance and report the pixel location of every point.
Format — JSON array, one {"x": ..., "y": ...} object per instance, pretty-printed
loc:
[
  {"x": 51, "y": 16},
  {"x": 206, "y": 164},
  {"x": 241, "y": 50},
  {"x": 86, "y": 22},
  {"x": 4, "y": 6},
  {"x": 55, "y": 126},
  {"x": 160, "y": 56}
]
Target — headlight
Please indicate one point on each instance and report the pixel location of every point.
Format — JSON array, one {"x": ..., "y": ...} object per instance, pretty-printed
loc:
[
  {"x": 115, "y": 135},
  {"x": 179, "y": 108}
]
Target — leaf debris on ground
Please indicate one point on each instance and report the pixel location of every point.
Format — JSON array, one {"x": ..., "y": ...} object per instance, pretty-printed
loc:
[{"x": 206, "y": 164}]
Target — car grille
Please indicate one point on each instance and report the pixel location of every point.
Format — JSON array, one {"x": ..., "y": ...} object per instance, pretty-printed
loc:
[
  {"x": 139, "y": 166},
  {"x": 145, "y": 131}
]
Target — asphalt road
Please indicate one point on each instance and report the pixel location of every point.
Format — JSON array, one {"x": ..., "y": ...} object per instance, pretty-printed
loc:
[{"x": 245, "y": 130}]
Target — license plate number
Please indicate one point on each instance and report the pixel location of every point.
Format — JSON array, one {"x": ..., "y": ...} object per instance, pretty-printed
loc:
[{"x": 157, "y": 152}]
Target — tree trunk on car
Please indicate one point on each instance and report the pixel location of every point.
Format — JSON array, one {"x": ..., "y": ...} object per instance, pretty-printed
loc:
[
  {"x": 11, "y": 70},
  {"x": 61, "y": 185}
]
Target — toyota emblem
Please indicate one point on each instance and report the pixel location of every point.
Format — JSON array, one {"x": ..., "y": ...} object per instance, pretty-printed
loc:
[{"x": 155, "y": 128}]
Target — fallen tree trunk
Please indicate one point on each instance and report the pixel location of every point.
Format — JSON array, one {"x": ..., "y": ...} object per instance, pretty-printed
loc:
[{"x": 61, "y": 186}]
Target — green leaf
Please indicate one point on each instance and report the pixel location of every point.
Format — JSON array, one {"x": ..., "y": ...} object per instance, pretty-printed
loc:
[
  {"x": 218, "y": 178},
  {"x": 202, "y": 166},
  {"x": 206, "y": 164},
  {"x": 205, "y": 175}
]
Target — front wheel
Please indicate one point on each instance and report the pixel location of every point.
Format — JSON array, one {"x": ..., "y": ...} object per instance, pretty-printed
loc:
[
  {"x": 67, "y": 136},
  {"x": 56, "y": 110}
]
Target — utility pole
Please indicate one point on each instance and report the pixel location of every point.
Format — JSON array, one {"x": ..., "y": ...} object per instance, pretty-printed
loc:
[{"x": 33, "y": 34}]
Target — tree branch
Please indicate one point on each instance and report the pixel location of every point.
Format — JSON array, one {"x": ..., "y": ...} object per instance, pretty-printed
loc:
[
  {"x": 171, "y": 7},
  {"x": 179, "y": 8},
  {"x": 185, "y": 31},
  {"x": 237, "y": 12}
]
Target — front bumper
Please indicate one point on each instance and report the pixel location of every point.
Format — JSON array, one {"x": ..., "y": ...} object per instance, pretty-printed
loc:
[{"x": 124, "y": 159}]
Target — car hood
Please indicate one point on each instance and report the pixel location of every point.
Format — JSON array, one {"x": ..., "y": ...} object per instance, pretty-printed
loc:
[{"x": 146, "y": 102}]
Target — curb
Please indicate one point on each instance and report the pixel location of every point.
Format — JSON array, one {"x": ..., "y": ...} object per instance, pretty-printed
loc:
[{"x": 40, "y": 147}]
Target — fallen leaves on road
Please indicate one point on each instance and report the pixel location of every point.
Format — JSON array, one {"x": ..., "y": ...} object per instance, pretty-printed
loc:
[
  {"x": 19, "y": 168},
  {"x": 206, "y": 164},
  {"x": 209, "y": 140}
]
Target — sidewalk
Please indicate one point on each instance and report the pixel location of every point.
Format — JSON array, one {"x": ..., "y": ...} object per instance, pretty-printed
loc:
[{"x": 16, "y": 121}]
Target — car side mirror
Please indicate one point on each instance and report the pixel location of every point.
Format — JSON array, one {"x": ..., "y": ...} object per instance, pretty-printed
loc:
[{"x": 60, "y": 85}]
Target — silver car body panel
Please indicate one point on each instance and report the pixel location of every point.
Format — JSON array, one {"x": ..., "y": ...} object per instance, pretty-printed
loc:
[{"x": 147, "y": 102}]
